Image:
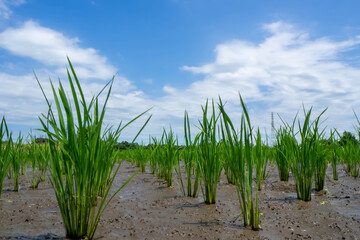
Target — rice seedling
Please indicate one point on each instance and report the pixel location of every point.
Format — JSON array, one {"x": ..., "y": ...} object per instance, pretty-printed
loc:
[
  {"x": 320, "y": 163},
  {"x": 170, "y": 155},
  {"x": 16, "y": 155},
  {"x": 350, "y": 152},
  {"x": 38, "y": 156},
  {"x": 160, "y": 159},
  {"x": 261, "y": 157},
  {"x": 356, "y": 166},
  {"x": 166, "y": 157},
  {"x": 79, "y": 150},
  {"x": 208, "y": 154},
  {"x": 140, "y": 156},
  {"x": 334, "y": 154},
  {"x": 153, "y": 160},
  {"x": 227, "y": 171},
  {"x": 106, "y": 160},
  {"x": 33, "y": 155},
  {"x": 229, "y": 177},
  {"x": 190, "y": 160},
  {"x": 350, "y": 156},
  {"x": 5, "y": 148},
  {"x": 305, "y": 154},
  {"x": 240, "y": 159},
  {"x": 283, "y": 154}
]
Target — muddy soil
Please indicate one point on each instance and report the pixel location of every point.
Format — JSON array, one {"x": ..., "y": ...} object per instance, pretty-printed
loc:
[{"x": 147, "y": 209}]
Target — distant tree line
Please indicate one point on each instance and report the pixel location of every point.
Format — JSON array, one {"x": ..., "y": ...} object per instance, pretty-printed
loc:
[
  {"x": 348, "y": 137},
  {"x": 124, "y": 145},
  {"x": 345, "y": 138}
]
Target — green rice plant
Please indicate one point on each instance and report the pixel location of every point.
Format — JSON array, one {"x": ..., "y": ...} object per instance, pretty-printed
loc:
[
  {"x": 121, "y": 155},
  {"x": 140, "y": 156},
  {"x": 240, "y": 159},
  {"x": 208, "y": 154},
  {"x": 305, "y": 154},
  {"x": 190, "y": 160},
  {"x": 153, "y": 160},
  {"x": 161, "y": 159},
  {"x": 320, "y": 163},
  {"x": 261, "y": 157},
  {"x": 282, "y": 153},
  {"x": 170, "y": 155},
  {"x": 78, "y": 144},
  {"x": 167, "y": 157},
  {"x": 38, "y": 155},
  {"x": 5, "y": 148},
  {"x": 334, "y": 154},
  {"x": 223, "y": 156},
  {"x": 227, "y": 171},
  {"x": 350, "y": 156},
  {"x": 106, "y": 160},
  {"x": 34, "y": 156},
  {"x": 44, "y": 162},
  {"x": 16, "y": 155},
  {"x": 356, "y": 164}
]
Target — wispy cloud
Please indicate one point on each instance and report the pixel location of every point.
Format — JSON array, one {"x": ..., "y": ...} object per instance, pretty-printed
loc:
[{"x": 5, "y": 10}]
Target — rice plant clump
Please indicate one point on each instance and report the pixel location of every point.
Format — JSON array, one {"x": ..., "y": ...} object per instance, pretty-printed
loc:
[
  {"x": 208, "y": 154},
  {"x": 334, "y": 154},
  {"x": 80, "y": 156},
  {"x": 240, "y": 159},
  {"x": 16, "y": 160},
  {"x": 320, "y": 163},
  {"x": 38, "y": 156},
  {"x": 306, "y": 154},
  {"x": 261, "y": 158},
  {"x": 171, "y": 155},
  {"x": 189, "y": 155},
  {"x": 283, "y": 152},
  {"x": 5, "y": 148}
]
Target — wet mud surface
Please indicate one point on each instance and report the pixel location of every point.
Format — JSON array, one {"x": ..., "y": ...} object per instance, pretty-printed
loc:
[{"x": 147, "y": 209}]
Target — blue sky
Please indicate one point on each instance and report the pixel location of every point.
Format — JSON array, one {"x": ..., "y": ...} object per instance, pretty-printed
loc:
[{"x": 174, "y": 54}]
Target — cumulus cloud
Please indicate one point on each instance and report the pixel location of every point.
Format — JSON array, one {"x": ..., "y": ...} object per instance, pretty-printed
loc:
[
  {"x": 21, "y": 99},
  {"x": 286, "y": 69},
  {"x": 51, "y": 48}
]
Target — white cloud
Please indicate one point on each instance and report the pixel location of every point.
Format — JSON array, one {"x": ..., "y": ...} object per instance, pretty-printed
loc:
[
  {"x": 285, "y": 70},
  {"x": 21, "y": 99},
  {"x": 277, "y": 75},
  {"x": 51, "y": 48}
]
